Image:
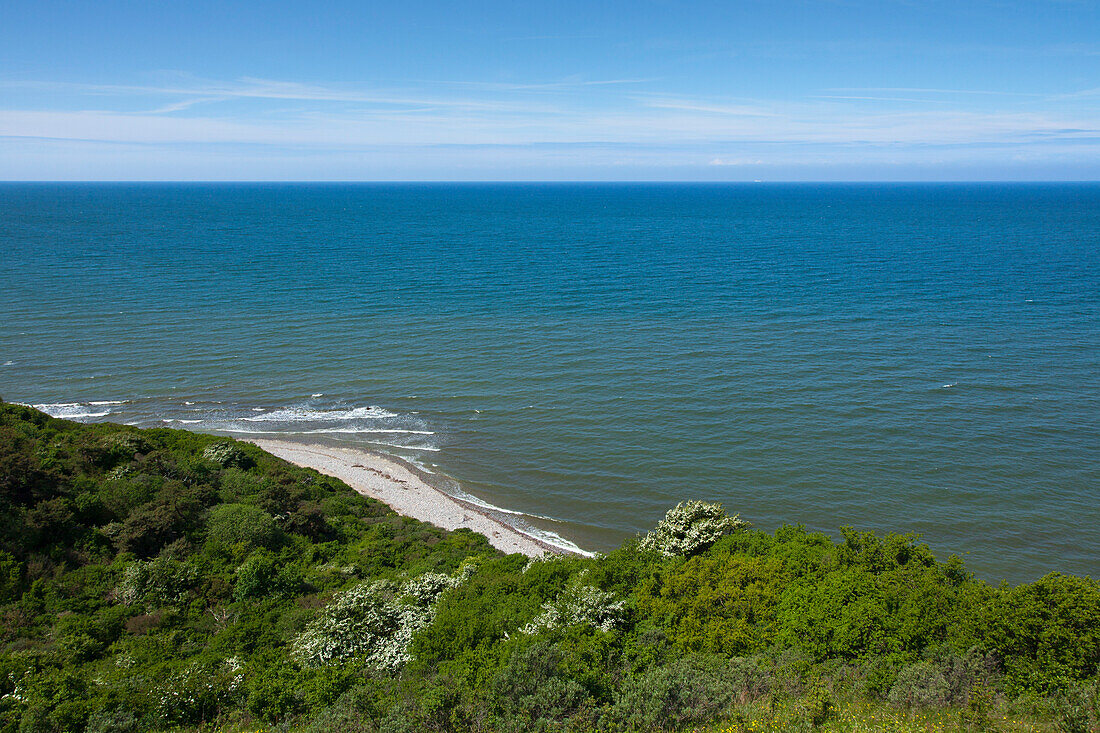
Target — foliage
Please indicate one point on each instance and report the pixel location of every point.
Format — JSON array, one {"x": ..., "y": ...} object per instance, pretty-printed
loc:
[
  {"x": 943, "y": 678},
  {"x": 579, "y": 604},
  {"x": 231, "y": 524},
  {"x": 227, "y": 454},
  {"x": 159, "y": 582},
  {"x": 159, "y": 579},
  {"x": 716, "y": 602},
  {"x": 689, "y": 527},
  {"x": 374, "y": 622},
  {"x": 693, "y": 689},
  {"x": 1047, "y": 632}
]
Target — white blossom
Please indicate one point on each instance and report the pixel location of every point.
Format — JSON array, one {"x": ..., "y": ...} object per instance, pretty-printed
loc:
[
  {"x": 158, "y": 582},
  {"x": 690, "y": 527},
  {"x": 546, "y": 557},
  {"x": 375, "y": 621},
  {"x": 578, "y": 604},
  {"x": 226, "y": 454}
]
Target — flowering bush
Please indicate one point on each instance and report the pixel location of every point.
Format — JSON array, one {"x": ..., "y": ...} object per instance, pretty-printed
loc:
[
  {"x": 578, "y": 604},
  {"x": 200, "y": 690},
  {"x": 690, "y": 527},
  {"x": 126, "y": 443},
  {"x": 226, "y": 454},
  {"x": 156, "y": 582},
  {"x": 375, "y": 621}
]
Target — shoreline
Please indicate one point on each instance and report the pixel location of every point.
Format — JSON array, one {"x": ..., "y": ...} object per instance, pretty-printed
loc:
[{"x": 408, "y": 491}]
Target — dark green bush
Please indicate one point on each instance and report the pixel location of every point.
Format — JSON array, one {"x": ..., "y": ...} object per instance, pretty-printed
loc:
[
  {"x": 694, "y": 689},
  {"x": 532, "y": 687}
]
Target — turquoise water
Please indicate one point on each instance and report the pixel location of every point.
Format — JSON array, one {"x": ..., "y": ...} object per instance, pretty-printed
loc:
[{"x": 895, "y": 357}]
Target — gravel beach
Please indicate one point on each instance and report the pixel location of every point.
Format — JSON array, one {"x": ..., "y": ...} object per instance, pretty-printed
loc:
[{"x": 407, "y": 490}]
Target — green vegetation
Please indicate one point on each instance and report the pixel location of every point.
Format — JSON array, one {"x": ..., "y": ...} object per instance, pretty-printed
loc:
[{"x": 159, "y": 579}]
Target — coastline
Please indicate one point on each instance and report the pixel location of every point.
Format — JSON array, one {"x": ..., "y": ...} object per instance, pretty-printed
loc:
[{"x": 408, "y": 491}]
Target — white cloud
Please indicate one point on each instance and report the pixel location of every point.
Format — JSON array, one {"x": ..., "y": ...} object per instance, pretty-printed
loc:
[{"x": 617, "y": 126}]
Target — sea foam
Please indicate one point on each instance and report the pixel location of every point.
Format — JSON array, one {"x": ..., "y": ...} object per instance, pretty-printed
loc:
[
  {"x": 301, "y": 414},
  {"x": 72, "y": 410}
]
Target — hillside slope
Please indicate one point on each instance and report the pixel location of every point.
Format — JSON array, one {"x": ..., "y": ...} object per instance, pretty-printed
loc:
[{"x": 160, "y": 579}]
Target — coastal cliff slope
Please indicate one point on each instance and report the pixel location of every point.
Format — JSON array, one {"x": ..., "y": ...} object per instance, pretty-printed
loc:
[{"x": 167, "y": 580}]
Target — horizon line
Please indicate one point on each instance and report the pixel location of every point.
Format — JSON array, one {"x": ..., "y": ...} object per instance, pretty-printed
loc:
[{"x": 553, "y": 181}]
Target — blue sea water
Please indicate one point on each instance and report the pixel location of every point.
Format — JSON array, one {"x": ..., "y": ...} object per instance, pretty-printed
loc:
[{"x": 895, "y": 357}]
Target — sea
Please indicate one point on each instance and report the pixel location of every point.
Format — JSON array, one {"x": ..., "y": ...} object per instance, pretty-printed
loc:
[{"x": 893, "y": 357}]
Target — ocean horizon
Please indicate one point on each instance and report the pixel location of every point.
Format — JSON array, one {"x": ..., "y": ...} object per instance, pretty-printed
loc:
[{"x": 895, "y": 357}]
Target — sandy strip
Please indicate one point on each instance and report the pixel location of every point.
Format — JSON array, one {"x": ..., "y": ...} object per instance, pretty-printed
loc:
[{"x": 406, "y": 490}]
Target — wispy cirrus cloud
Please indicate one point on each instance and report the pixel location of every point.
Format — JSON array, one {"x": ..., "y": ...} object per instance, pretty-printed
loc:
[
  {"x": 553, "y": 86},
  {"x": 197, "y": 90},
  {"x": 249, "y": 88},
  {"x": 184, "y": 104},
  {"x": 917, "y": 100},
  {"x": 926, "y": 90},
  {"x": 650, "y": 123},
  {"x": 431, "y": 116},
  {"x": 709, "y": 107}
]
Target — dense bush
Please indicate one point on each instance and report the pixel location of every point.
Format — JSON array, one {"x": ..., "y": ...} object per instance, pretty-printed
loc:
[
  {"x": 715, "y": 603},
  {"x": 689, "y": 527},
  {"x": 227, "y": 454},
  {"x": 579, "y": 604},
  {"x": 692, "y": 689},
  {"x": 161, "y": 579},
  {"x": 156, "y": 583},
  {"x": 231, "y": 524},
  {"x": 1047, "y": 632},
  {"x": 373, "y": 622}
]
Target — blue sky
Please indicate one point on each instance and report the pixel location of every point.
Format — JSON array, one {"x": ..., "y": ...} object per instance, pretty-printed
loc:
[{"x": 642, "y": 90}]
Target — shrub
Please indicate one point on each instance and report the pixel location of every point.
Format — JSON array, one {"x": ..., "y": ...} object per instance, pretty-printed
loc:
[
  {"x": 374, "y": 621},
  {"x": 920, "y": 685},
  {"x": 691, "y": 527},
  {"x": 818, "y": 704},
  {"x": 123, "y": 491},
  {"x": 365, "y": 621},
  {"x": 843, "y": 615},
  {"x": 261, "y": 575},
  {"x": 200, "y": 691},
  {"x": 309, "y": 521},
  {"x": 151, "y": 526},
  {"x": 51, "y": 521},
  {"x": 227, "y": 454},
  {"x": 690, "y": 690},
  {"x": 11, "y": 577},
  {"x": 123, "y": 446},
  {"x": 115, "y": 720},
  {"x": 532, "y": 686},
  {"x": 229, "y": 524},
  {"x": 943, "y": 679},
  {"x": 353, "y": 712},
  {"x": 1047, "y": 632},
  {"x": 1077, "y": 707},
  {"x": 578, "y": 605},
  {"x": 156, "y": 582},
  {"x": 715, "y": 603},
  {"x": 879, "y": 554}
]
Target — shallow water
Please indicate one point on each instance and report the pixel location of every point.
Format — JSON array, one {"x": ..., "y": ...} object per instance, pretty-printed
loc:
[{"x": 896, "y": 357}]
